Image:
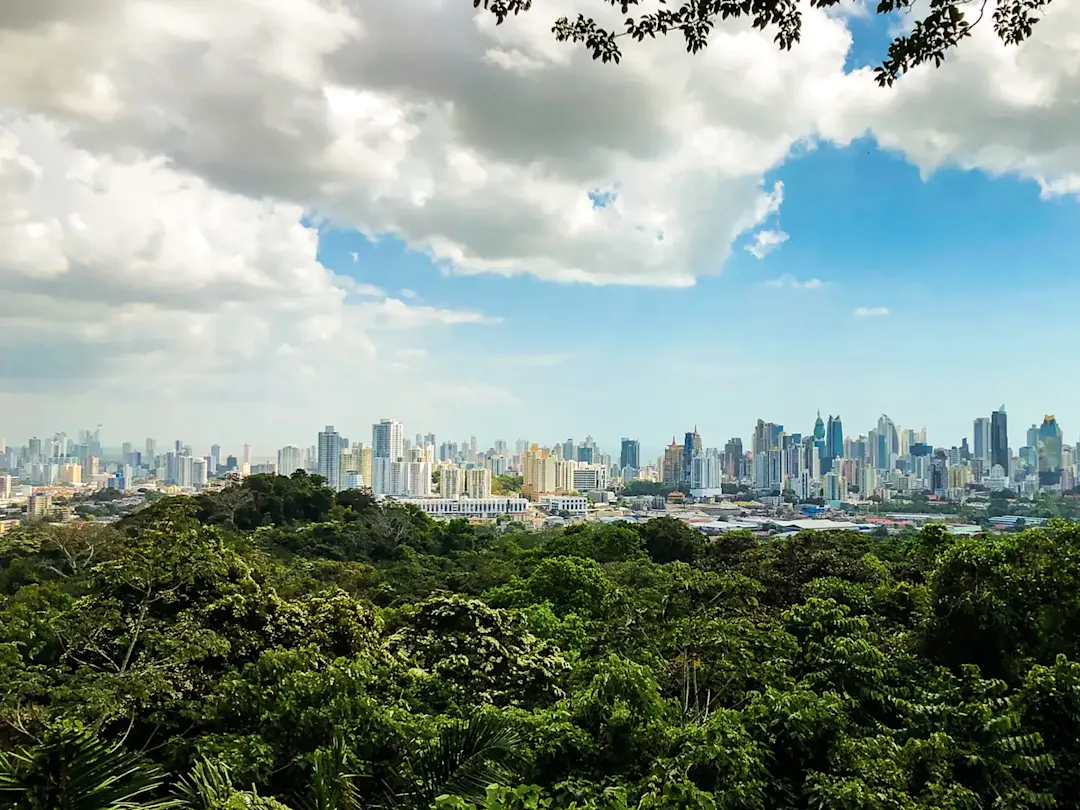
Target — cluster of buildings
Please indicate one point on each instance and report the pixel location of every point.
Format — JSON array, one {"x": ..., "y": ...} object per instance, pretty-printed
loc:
[{"x": 459, "y": 478}]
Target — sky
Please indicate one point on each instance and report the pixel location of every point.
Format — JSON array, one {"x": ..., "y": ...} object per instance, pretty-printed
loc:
[{"x": 238, "y": 221}]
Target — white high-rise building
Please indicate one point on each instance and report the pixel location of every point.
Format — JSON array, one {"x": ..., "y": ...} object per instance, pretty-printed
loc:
[
  {"x": 290, "y": 458},
  {"x": 199, "y": 475},
  {"x": 185, "y": 471},
  {"x": 981, "y": 445},
  {"x": 706, "y": 470},
  {"x": 381, "y": 476},
  {"x": 388, "y": 440},
  {"x": 478, "y": 482},
  {"x": 451, "y": 482},
  {"x": 419, "y": 479},
  {"x": 329, "y": 463}
]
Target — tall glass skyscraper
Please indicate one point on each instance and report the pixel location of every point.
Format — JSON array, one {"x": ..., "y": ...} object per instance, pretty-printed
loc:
[
  {"x": 999, "y": 439},
  {"x": 630, "y": 455}
]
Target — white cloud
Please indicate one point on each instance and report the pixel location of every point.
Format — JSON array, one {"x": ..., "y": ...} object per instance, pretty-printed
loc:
[
  {"x": 1004, "y": 110},
  {"x": 406, "y": 293},
  {"x": 127, "y": 275},
  {"x": 398, "y": 118},
  {"x": 765, "y": 242},
  {"x": 789, "y": 281},
  {"x": 871, "y": 312}
]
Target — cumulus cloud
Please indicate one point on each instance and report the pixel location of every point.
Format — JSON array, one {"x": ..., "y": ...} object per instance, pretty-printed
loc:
[
  {"x": 871, "y": 312},
  {"x": 788, "y": 281},
  {"x": 479, "y": 144},
  {"x": 1003, "y": 110},
  {"x": 765, "y": 242}
]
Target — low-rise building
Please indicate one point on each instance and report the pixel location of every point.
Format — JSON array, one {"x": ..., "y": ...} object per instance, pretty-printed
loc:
[
  {"x": 577, "y": 505},
  {"x": 484, "y": 508}
]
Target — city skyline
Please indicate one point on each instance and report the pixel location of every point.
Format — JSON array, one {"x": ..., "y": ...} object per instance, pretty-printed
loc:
[{"x": 648, "y": 447}]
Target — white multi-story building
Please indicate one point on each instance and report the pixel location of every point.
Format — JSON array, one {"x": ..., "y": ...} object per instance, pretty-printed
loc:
[
  {"x": 589, "y": 478},
  {"x": 478, "y": 482},
  {"x": 329, "y": 450},
  {"x": 199, "y": 473},
  {"x": 418, "y": 481},
  {"x": 388, "y": 440},
  {"x": 577, "y": 505},
  {"x": 706, "y": 470},
  {"x": 184, "y": 471},
  {"x": 353, "y": 480},
  {"x": 290, "y": 459},
  {"x": 485, "y": 508},
  {"x": 564, "y": 475},
  {"x": 451, "y": 482},
  {"x": 381, "y": 477}
]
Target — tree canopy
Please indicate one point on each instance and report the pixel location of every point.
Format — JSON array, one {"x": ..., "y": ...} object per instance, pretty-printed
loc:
[
  {"x": 279, "y": 646},
  {"x": 929, "y": 38}
]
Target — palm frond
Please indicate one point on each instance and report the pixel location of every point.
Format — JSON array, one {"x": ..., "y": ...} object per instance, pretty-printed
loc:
[
  {"x": 209, "y": 783},
  {"x": 465, "y": 758},
  {"x": 74, "y": 770},
  {"x": 332, "y": 786}
]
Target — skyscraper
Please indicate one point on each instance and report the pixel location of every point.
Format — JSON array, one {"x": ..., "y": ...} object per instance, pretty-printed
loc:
[
  {"x": 387, "y": 448},
  {"x": 887, "y": 443},
  {"x": 329, "y": 448},
  {"x": 630, "y": 455},
  {"x": 388, "y": 440},
  {"x": 999, "y": 439},
  {"x": 1050, "y": 451},
  {"x": 982, "y": 439},
  {"x": 833, "y": 447},
  {"x": 290, "y": 459},
  {"x": 691, "y": 447},
  {"x": 671, "y": 468}
]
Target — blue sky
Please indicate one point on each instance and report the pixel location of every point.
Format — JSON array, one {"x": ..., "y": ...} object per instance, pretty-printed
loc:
[{"x": 974, "y": 270}]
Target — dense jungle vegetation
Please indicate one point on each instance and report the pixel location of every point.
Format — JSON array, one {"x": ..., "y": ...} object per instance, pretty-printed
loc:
[{"x": 277, "y": 645}]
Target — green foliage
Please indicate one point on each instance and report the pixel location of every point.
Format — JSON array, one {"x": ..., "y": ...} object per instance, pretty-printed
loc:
[
  {"x": 70, "y": 769},
  {"x": 941, "y": 28},
  {"x": 277, "y": 646}
]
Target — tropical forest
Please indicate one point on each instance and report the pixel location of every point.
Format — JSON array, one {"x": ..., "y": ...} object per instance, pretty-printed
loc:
[{"x": 276, "y": 645}]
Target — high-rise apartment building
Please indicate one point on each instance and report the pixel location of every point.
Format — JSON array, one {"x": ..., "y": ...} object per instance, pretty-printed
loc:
[
  {"x": 999, "y": 439},
  {"x": 886, "y": 444},
  {"x": 451, "y": 482},
  {"x": 330, "y": 444},
  {"x": 671, "y": 466},
  {"x": 538, "y": 471},
  {"x": 290, "y": 458},
  {"x": 387, "y": 448},
  {"x": 981, "y": 439},
  {"x": 388, "y": 440},
  {"x": 478, "y": 482}
]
